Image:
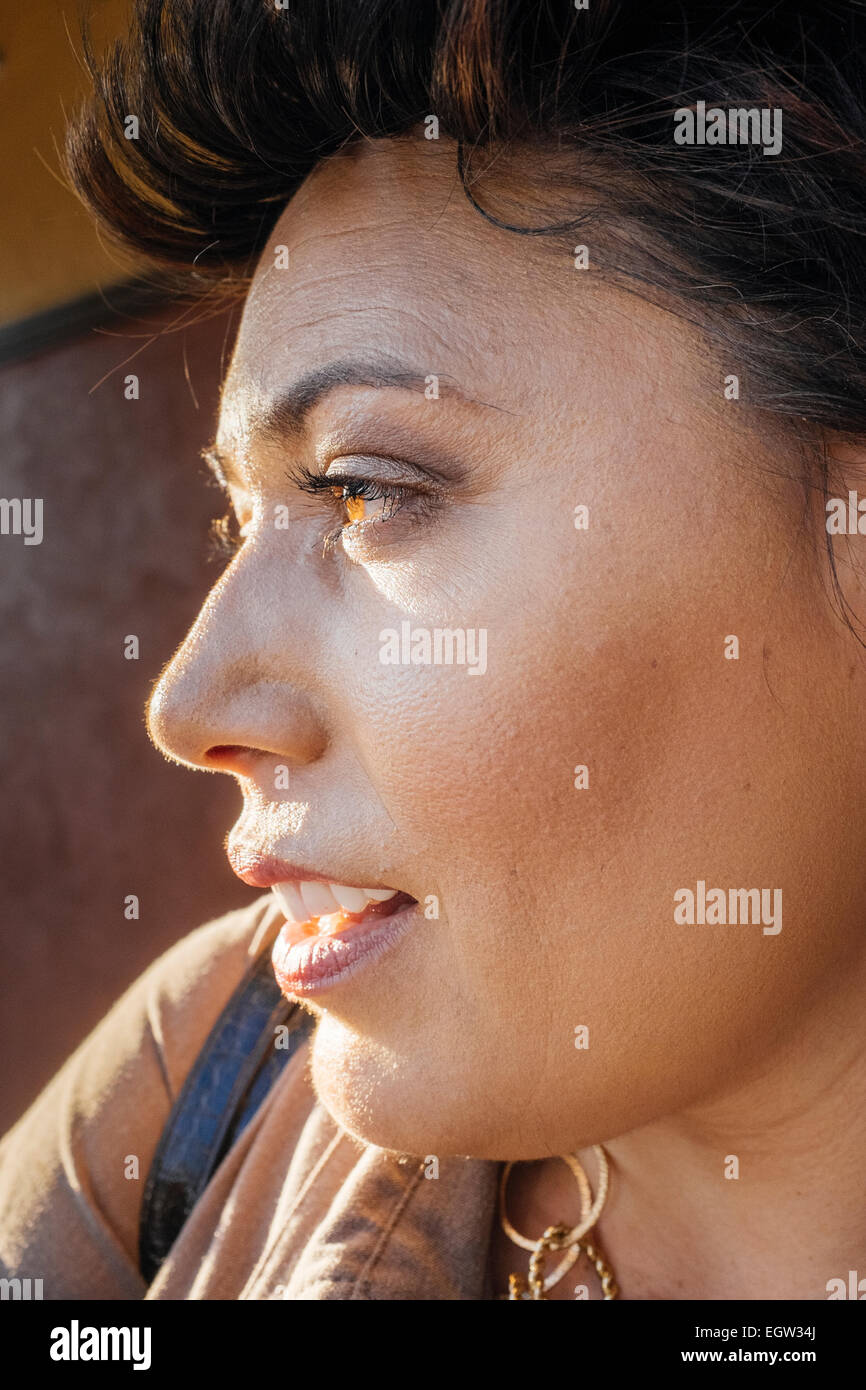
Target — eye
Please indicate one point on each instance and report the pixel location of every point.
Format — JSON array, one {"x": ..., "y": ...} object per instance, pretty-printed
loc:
[
  {"x": 361, "y": 503},
  {"x": 365, "y": 499}
]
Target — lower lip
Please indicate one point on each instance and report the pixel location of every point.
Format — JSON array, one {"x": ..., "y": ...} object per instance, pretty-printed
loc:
[{"x": 317, "y": 963}]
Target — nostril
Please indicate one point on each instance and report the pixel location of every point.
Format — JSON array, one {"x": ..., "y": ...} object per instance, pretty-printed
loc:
[{"x": 229, "y": 757}]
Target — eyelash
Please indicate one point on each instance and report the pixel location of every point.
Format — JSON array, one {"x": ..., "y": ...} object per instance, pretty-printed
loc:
[
  {"x": 227, "y": 543},
  {"x": 366, "y": 489}
]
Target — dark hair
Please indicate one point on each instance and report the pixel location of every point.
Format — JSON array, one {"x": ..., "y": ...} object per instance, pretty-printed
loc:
[{"x": 238, "y": 100}]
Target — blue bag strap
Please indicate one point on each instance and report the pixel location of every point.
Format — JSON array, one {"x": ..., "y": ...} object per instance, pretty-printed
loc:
[{"x": 234, "y": 1071}]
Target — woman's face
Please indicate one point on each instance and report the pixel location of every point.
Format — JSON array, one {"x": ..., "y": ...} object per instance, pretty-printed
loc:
[{"x": 608, "y": 646}]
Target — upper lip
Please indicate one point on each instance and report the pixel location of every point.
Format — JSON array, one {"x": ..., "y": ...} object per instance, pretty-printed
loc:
[{"x": 264, "y": 870}]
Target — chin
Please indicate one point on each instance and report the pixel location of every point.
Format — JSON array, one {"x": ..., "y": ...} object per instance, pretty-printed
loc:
[
  {"x": 425, "y": 1103},
  {"x": 370, "y": 1092}
]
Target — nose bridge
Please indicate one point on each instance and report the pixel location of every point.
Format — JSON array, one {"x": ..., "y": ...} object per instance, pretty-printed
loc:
[{"x": 241, "y": 675}]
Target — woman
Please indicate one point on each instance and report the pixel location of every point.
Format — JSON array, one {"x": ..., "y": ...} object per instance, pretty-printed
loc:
[{"x": 538, "y": 661}]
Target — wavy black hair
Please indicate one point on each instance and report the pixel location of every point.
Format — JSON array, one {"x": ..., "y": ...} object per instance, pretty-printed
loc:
[{"x": 238, "y": 100}]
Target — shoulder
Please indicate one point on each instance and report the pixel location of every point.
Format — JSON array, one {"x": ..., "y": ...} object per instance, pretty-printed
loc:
[
  {"x": 180, "y": 996},
  {"x": 73, "y": 1167}
]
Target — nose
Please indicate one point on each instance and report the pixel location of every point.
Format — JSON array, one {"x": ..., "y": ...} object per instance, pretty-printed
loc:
[{"x": 238, "y": 690}]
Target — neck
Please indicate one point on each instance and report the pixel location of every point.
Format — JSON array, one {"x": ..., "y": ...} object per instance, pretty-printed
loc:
[{"x": 757, "y": 1194}]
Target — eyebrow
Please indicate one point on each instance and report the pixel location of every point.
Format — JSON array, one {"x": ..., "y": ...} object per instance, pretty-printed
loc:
[
  {"x": 285, "y": 416},
  {"x": 287, "y": 413}
]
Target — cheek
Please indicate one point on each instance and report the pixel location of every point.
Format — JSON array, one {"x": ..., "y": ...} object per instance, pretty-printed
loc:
[
  {"x": 558, "y": 900},
  {"x": 606, "y": 697}
]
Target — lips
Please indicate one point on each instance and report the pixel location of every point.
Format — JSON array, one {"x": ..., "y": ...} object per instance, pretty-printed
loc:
[
  {"x": 311, "y": 956},
  {"x": 331, "y": 928}
]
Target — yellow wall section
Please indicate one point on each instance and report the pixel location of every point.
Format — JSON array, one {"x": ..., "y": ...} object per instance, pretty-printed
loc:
[{"x": 50, "y": 251}]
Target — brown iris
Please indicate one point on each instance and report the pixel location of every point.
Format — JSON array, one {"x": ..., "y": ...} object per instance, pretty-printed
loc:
[{"x": 355, "y": 508}]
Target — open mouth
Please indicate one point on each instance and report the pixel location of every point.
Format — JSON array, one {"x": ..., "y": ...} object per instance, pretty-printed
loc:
[
  {"x": 331, "y": 931},
  {"x": 312, "y": 908}
]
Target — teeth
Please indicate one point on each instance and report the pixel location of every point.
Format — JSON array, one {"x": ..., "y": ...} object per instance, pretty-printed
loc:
[
  {"x": 318, "y": 898},
  {"x": 311, "y": 898},
  {"x": 291, "y": 902},
  {"x": 352, "y": 899}
]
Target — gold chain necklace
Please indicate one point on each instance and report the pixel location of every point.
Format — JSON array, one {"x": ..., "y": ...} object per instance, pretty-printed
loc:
[{"x": 557, "y": 1238}]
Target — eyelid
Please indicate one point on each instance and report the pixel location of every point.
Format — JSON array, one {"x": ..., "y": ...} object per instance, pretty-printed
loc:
[
  {"x": 371, "y": 481},
  {"x": 379, "y": 467}
]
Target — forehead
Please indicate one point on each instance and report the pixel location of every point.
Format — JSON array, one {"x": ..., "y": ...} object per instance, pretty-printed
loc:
[{"x": 380, "y": 253}]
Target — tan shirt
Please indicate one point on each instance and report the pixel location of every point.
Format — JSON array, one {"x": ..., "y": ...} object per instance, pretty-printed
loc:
[{"x": 297, "y": 1209}]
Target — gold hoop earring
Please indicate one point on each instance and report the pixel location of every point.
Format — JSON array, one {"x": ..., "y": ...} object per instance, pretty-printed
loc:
[{"x": 560, "y": 1237}]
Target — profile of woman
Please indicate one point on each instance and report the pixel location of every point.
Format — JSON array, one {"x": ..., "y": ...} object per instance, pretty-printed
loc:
[{"x": 538, "y": 659}]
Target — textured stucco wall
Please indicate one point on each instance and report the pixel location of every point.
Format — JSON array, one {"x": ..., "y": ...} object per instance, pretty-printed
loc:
[{"x": 89, "y": 810}]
